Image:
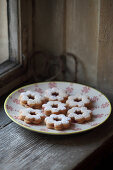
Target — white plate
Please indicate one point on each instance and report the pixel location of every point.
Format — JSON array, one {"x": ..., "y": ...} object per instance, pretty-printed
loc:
[{"x": 101, "y": 106}]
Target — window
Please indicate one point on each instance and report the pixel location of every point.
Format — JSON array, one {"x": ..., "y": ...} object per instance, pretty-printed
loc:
[
  {"x": 13, "y": 67},
  {"x": 4, "y": 52},
  {"x": 9, "y": 35}
]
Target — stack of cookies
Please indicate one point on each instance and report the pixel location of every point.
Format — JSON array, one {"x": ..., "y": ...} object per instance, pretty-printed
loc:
[{"x": 55, "y": 108}]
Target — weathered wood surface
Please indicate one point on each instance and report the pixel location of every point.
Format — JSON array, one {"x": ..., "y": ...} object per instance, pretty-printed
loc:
[
  {"x": 48, "y": 28},
  {"x": 82, "y": 37},
  {"x": 69, "y": 26},
  {"x": 105, "y": 56},
  {"x": 13, "y": 28},
  {"x": 22, "y": 149},
  {"x": 84, "y": 28},
  {"x": 4, "y": 120},
  {"x": 26, "y": 29},
  {"x": 48, "y": 25}
]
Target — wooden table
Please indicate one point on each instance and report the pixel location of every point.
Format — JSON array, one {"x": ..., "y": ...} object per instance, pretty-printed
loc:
[{"x": 21, "y": 149}]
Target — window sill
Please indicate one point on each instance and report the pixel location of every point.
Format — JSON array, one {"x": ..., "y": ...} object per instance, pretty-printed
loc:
[{"x": 6, "y": 66}]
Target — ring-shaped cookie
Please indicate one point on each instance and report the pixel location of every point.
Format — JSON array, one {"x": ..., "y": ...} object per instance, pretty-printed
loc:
[
  {"x": 56, "y": 94},
  {"x": 58, "y": 122},
  {"x": 31, "y": 116},
  {"x": 79, "y": 114},
  {"x": 78, "y": 101},
  {"x": 54, "y": 107},
  {"x": 31, "y": 99}
]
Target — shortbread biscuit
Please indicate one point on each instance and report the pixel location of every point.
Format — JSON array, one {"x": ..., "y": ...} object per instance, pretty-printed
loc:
[
  {"x": 31, "y": 116},
  {"x": 31, "y": 99},
  {"x": 56, "y": 94},
  {"x": 78, "y": 101},
  {"x": 79, "y": 114},
  {"x": 57, "y": 122},
  {"x": 54, "y": 107}
]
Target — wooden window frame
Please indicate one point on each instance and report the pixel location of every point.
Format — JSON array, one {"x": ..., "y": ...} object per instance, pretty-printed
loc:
[{"x": 15, "y": 70}]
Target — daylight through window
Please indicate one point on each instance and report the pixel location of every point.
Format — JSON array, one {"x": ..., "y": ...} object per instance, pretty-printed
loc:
[{"x": 4, "y": 50}]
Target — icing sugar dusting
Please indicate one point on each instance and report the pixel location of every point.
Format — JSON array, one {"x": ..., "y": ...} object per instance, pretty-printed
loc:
[
  {"x": 61, "y": 94},
  {"x": 27, "y": 112},
  {"x": 85, "y": 112},
  {"x": 62, "y": 119},
  {"x": 35, "y": 99},
  {"x": 48, "y": 106},
  {"x": 82, "y": 100}
]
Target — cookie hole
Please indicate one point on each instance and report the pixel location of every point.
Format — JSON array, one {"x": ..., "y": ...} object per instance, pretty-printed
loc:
[
  {"x": 31, "y": 97},
  {"x": 55, "y": 94},
  {"x": 57, "y": 119},
  {"x": 77, "y": 100},
  {"x": 32, "y": 113},
  {"x": 78, "y": 112},
  {"x": 55, "y": 106}
]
